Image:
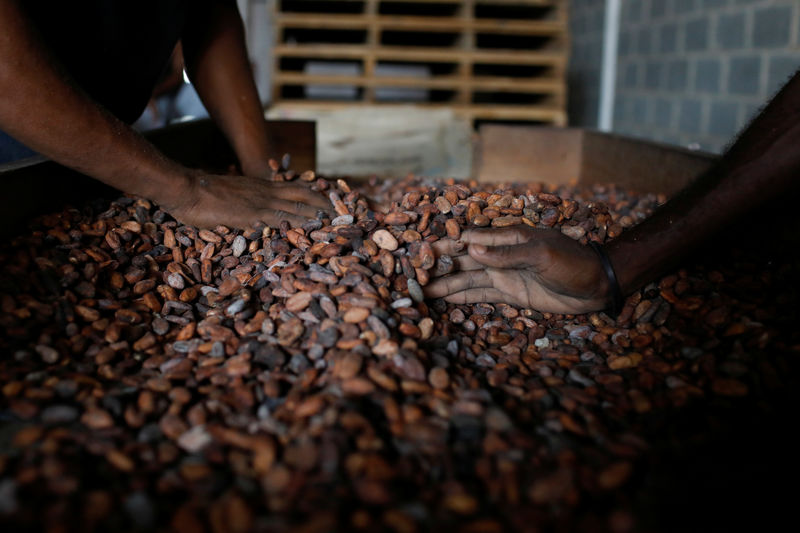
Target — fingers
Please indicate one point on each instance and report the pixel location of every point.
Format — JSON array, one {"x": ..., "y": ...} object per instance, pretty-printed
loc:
[
  {"x": 274, "y": 217},
  {"x": 454, "y": 283},
  {"x": 448, "y": 247},
  {"x": 508, "y": 256},
  {"x": 298, "y": 193},
  {"x": 497, "y": 236},
  {"x": 460, "y": 263},
  {"x": 481, "y": 295},
  {"x": 465, "y": 262},
  {"x": 295, "y": 208}
]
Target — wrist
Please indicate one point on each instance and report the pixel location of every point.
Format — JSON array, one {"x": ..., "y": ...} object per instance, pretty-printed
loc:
[
  {"x": 256, "y": 168},
  {"x": 612, "y": 294},
  {"x": 254, "y": 152},
  {"x": 168, "y": 184}
]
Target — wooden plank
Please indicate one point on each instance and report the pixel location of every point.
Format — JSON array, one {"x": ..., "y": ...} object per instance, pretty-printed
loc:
[
  {"x": 523, "y": 154},
  {"x": 548, "y": 114},
  {"x": 422, "y": 54},
  {"x": 414, "y": 23},
  {"x": 322, "y": 21},
  {"x": 543, "y": 3},
  {"x": 643, "y": 165},
  {"x": 467, "y": 45},
  {"x": 373, "y": 40},
  {"x": 531, "y": 27},
  {"x": 495, "y": 84},
  {"x": 321, "y": 51},
  {"x": 562, "y": 156}
]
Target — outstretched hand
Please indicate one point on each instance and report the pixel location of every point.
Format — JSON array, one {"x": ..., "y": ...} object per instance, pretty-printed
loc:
[
  {"x": 241, "y": 202},
  {"x": 537, "y": 268}
]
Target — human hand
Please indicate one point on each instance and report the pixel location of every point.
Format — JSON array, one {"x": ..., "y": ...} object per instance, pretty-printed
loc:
[
  {"x": 541, "y": 269},
  {"x": 240, "y": 202}
]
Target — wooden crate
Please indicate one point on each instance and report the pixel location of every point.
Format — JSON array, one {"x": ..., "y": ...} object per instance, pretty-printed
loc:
[
  {"x": 575, "y": 155},
  {"x": 490, "y": 60}
]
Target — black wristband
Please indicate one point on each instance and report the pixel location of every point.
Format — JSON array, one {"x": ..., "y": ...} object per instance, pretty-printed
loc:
[{"x": 615, "y": 292}]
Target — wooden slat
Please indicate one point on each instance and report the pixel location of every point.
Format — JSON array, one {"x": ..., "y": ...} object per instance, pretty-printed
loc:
[
  {"x": 543, "y": 3},
  {"x": 498, "y": 26},
  {"x": 420, "y": 54},
  {"x": 498, "y": 84},
  {"x": 552, "y": 114},
  {"x": 562, "y": 156},
  {"x": 321, "y": 51},
  {"x": 440, "y": 24},
  {"x": 322, "y": 21}
]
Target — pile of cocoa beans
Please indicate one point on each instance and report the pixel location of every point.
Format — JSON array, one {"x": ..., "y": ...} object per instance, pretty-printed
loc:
[{"x": 156, "y": 375}]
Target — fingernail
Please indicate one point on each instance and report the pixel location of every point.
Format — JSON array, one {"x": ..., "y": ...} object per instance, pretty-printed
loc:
[
  {"x": 459, "y": 245},
  {"x": 479, "y": 248}
]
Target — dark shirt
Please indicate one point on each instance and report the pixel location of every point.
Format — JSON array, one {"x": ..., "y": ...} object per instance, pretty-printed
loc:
[{"x": 115, "y": 50}]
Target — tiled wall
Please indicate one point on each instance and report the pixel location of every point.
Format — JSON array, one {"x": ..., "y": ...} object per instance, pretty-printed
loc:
[{"x": 694, "y": 72}]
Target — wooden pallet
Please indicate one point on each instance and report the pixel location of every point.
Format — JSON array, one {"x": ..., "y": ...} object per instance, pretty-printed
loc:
[{"x": 490, "y": 60}]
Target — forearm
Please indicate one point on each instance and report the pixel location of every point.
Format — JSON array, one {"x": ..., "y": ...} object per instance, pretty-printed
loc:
[
  {"x": 43, "y": 109},
  {"x": 762, "y": 164},
  {"x": 218, "y": 65}
]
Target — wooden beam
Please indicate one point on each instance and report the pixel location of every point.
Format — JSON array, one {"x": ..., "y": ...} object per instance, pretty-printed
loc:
[
  {"x": 325, "y": 21},
  {"x": 564, "y": 156},
  {"x": 495, "y": 84},
  {"x": 422, "y": 54}
]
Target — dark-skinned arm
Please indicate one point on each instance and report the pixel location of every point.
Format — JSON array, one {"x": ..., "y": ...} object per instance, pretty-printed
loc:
[
  {"x": 546, "y": 270},
  {"x": 44, "y": 109},
  {"x": 218, "y": 66},
  {"x": 761, "y": 165}
]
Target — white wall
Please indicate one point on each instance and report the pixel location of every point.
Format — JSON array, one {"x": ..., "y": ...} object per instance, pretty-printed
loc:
[{"x": 256, "y": 15}]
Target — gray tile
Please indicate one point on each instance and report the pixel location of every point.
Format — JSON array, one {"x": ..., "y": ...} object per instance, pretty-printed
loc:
[
  {"x": 707, "y": 74},
  {"x": 620, "y": 110},
  {"x": 624, "y": 47},
  {"x": 662, "y": 113},
  {"x": 780, "y": 69},
  {"x": 658, "y": 8},
  {"x": 653, "y": 74},
  {"x": 745, "y": 75},
  {"x": 772, "y": 27},
  {"x": 644, "y": 41},
  {"x": 697, "y": 34},
  {"x": 723, "y": 120},
  {"x": 635, "y": 10},
  {"x": 668, "y": 38},
  {"x": 631, "y": 76},
  {"x": 690, "y": 116},
  {"x": 638, "y": 110},
  {"x": 684, "y": 6},
  {"x": 677, "y": 75},
  {"x": 730, "y": 31}
]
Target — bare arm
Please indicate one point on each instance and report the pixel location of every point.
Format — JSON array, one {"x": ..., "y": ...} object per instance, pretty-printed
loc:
[
  {"x": 218, "y": 65},
  {"x": 549, "y": 271},
  {"x": 762, "y": 164},
  {"x": 44, "y": 109}
]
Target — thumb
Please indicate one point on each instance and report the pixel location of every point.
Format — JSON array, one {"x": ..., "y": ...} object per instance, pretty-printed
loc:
[{"x": 508, "y": 256}]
